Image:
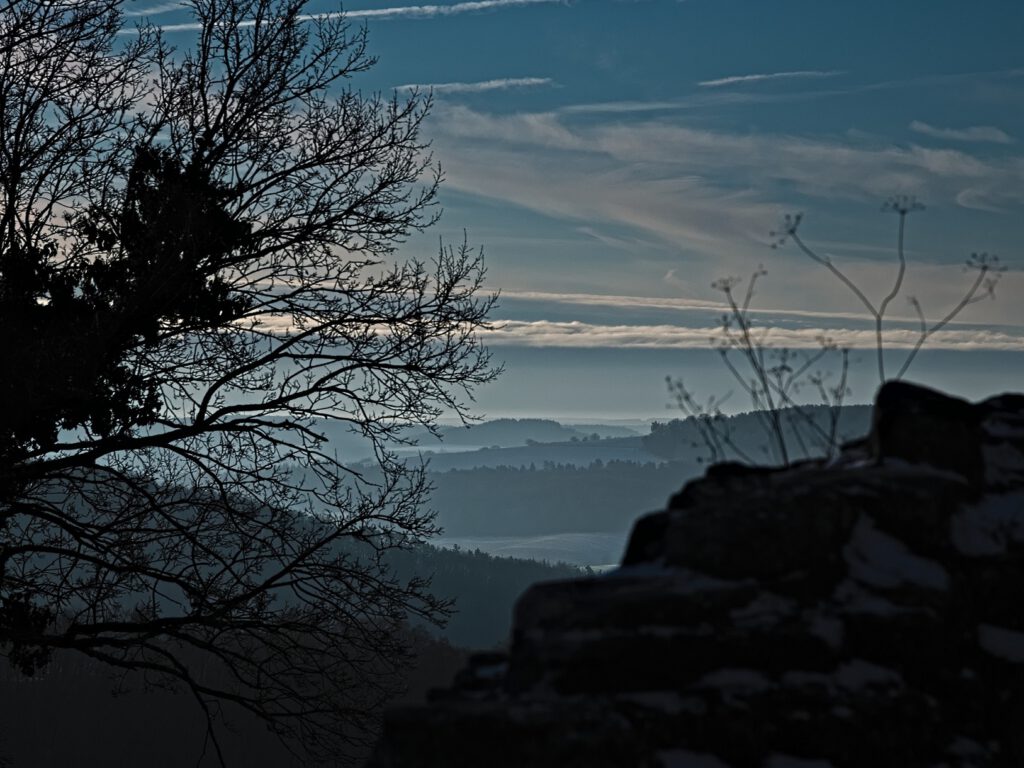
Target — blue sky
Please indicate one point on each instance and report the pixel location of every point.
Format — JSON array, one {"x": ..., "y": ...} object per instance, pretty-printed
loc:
[{"x": 615, "y": 158}]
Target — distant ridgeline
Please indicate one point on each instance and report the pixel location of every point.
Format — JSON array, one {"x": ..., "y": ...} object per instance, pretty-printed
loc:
[
  {"x": 511, "y": 432},
  {"x": 521, "y": 442},
  {"x": 868, "y": 611},
  {"x": 680, "y": 439},
  {"x": 593, "y": 484}
]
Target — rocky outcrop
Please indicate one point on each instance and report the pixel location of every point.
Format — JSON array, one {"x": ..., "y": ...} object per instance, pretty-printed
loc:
[{"x": 863, "y": 612}]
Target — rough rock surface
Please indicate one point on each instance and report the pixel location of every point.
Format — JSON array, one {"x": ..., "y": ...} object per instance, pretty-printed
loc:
[{"x": 864, "y": 612}]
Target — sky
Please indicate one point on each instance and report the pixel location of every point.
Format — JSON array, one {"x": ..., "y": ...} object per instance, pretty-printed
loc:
[{"x": 615, "y": 158}]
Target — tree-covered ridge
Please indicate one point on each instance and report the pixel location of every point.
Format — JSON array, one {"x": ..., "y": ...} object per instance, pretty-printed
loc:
[
  {"x": 553, "y": 498},
  {"x": 502, "y": 432},
  {"x": 745, "y": 433},
  {"x": 483, "y": 588}
]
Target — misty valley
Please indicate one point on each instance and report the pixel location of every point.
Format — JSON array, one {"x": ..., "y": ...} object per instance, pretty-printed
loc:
[{"x": 542, "y": 501}]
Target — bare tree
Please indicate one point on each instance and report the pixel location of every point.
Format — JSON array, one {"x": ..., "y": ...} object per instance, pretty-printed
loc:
[
  {"x": 772, "y": 377},
  {"x": 197, "y": 275}
]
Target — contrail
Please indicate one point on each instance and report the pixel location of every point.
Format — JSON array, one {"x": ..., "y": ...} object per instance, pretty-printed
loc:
[
  {"x": 153, "y": 10},
  {"x": 399, "y": 12},
  {"x": 478, "y": 87},
  {"x": 767, "y": 76}
]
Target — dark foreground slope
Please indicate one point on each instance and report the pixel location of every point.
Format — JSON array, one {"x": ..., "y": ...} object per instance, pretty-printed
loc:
[
  {"x": 82, "y": 713},
  {"x": 861, "y": 613}
]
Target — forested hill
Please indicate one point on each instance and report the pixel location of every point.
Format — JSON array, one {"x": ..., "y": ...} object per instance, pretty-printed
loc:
[
  {"x": 483, "y": 587},
  {"x": 580, "y": 453},
  {"x": 520, "y": 436},
  {"x": 522, "y": 442},
  {"x": 744, "y": 436},
  {"x": 502, "y": 433},
  {"x": 553, "y": 498},
  {"x": 749, "y": 436}
]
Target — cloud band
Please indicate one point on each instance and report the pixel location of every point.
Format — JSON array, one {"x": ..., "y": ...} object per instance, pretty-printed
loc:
[
  {"x": 398, "y": 12},
  {"x": 501, "y": 84},
  {"x": 759, "y": 77},
  {"x": 545, "y": 333}
]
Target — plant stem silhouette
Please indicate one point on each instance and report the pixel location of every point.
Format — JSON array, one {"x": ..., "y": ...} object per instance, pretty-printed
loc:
[{"x": 772, "y": 377}]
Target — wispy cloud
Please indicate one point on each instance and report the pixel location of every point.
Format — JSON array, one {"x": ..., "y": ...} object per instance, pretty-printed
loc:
[
  {"x": 154, "y": 10},
  {"x": 546, "y": 333},
  {"x": 623, "y": 107},
  {"x": 429, "y": 11},
  {"x": 621, "y": 243},
  {"x": 710, "y": 97},
  {"x": 759, "y": 77},
  {"x": 981, "y": 133},
  {"x": 612, "y": 300},
  {"x": 397, "y": 12},
  {"x": 704, "y": 307},
  {"x": 500, "y": 84},
  {"x": 699, "y": 189}
]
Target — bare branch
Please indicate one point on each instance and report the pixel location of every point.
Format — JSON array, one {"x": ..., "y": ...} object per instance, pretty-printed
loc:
[{"x": 198, "y": 283}]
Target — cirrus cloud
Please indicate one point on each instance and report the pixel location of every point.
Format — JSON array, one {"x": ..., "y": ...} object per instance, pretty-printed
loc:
[
  {"x": 762, "y": 76},
  {"x": 395, "y": 12},
  {"x": 981, "y": 133},
  {"x": 576, "y": 334},
  {"x": 499, "y": 84},
  {"x": 697, "y": 188}
]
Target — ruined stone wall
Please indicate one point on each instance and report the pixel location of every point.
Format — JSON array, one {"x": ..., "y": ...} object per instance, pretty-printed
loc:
[{"x": 863, "y": 612}]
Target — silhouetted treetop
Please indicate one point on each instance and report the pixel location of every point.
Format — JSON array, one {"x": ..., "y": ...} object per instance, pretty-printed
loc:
[{"x": 197, "y": 268}]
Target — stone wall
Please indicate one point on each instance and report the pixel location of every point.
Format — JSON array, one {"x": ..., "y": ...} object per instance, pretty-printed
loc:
[{"x": 864, "y": 612}]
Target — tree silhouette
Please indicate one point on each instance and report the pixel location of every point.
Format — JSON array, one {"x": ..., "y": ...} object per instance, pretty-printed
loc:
[{"x": 197, "y": 269}]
